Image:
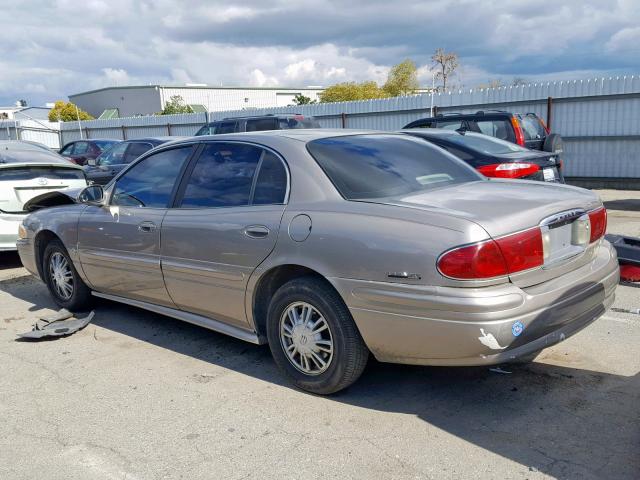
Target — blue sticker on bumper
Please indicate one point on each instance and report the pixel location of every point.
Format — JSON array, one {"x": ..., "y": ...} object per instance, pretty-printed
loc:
[{"x": 517, "y": 329}]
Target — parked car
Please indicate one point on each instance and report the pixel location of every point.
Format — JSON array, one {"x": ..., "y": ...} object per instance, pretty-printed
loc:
[
  {"x": 494, "y": 157},
  {"x": 329, "y": 245},
  {"x": 109, "y": 163},
  {"x": 80, "y": 151},
  {"x": 524, "y": 129},
  {"x": 26, "y": 170},
  {"x": 258, "y": 123}
]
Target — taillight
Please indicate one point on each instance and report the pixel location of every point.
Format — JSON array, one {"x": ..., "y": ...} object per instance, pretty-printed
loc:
[
  {"x": 518, "y": 131},
  {"x": 598, "y": 220},
  {"x": 480, "y": 260},
  {"x": 509, "y": 170},
  {"x": 494, "y": 258}
]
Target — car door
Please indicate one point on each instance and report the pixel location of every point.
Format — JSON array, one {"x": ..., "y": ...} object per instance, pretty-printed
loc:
[
  {"x": 225, "y": 223},
  {"x": 119, "y": 242}
]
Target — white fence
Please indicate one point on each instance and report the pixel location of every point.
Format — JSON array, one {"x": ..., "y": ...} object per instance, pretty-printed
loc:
[{"x": 599, "y": 119}]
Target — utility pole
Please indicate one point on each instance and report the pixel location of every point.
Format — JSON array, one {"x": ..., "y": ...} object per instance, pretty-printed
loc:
[
  {"x": 79, "y": 124},
  {"x": 433, "y": 89}
]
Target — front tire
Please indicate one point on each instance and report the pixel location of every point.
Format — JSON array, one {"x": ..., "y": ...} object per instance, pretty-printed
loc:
[
  {"x": 313, "y": 338},
  {"x": 64, "y": 284}
]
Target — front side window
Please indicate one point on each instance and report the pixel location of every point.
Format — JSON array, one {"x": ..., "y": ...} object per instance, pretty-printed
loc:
[
  {"x": 225, "y": 127},
  {"x": 150, "y": 182},
  {"x": 222, "y": 176},
  {"x": 367, "y": 167},
  {"x": 67, "y": 150},
  {"x": 208, "y": 129}
]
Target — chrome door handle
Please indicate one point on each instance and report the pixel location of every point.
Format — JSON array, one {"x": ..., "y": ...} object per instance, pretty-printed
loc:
[
  {"x": 147, "y": 227},
  {"x": 256, "y": 231}
]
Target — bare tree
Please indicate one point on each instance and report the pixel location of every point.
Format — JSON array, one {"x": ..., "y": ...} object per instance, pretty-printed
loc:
[
  {"x": 517, "y": 81},
  {"x": 445, "y": 63}
]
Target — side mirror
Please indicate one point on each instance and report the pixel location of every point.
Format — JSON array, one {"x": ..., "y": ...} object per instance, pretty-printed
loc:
[
  {"x": 91, "y": 162},
  {"x": 92, "y": 194}
]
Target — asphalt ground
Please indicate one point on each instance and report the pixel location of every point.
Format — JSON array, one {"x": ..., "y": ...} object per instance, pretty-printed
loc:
[{"x": 140, "y": 396}]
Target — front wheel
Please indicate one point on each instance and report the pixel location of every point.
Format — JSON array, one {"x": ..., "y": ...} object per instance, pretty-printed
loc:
[
  {"x": 313, "y": 338},
  {"x": 64, "y": 284}
]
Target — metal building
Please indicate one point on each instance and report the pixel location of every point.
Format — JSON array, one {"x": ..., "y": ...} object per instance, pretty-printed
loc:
[{"x": 130, "y": 101}]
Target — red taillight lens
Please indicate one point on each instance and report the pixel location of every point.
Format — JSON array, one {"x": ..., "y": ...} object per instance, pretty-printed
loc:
[
  {"x": 522, "y": 250},
  {"x": 598, "y": 219},
  {"x": 494, "y": 258},
  {"x": 509, "y": 170},
  {"x": 518, "y": 131},
  {"x": 480, "y": 260}
]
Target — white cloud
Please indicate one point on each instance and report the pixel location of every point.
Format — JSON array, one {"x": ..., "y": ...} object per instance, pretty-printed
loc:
[{"x": 626, "y": 40}]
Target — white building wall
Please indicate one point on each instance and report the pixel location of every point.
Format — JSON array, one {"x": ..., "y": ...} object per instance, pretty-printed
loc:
[{"x": 221, "y": 99}]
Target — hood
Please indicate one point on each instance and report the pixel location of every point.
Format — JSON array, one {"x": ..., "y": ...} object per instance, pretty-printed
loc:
[
  {"x": 53, "y": 199},
  {"x": 500, "y": 206}
]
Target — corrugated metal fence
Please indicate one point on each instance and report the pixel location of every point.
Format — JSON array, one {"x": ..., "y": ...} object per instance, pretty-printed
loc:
[{"x": 599, "y": 119}]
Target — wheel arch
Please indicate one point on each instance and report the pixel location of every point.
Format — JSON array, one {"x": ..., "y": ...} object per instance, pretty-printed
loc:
[
  {"x": 269, "y": 282},
  {"x": 40, "y": 242}
]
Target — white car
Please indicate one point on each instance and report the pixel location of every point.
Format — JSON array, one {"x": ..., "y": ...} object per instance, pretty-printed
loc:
[{"x": 28, "y": 169}]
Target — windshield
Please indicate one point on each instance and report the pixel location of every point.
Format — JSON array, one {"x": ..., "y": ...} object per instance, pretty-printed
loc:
[
  {"x": 378, "y": 166},
  {"x": 485, "y": 144},
  {"x": 113, "y": 155}
]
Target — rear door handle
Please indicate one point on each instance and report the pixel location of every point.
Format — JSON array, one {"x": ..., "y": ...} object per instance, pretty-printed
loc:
[
  {"x": 147, "y": 227},
  {"x": 256, "y": 231}
]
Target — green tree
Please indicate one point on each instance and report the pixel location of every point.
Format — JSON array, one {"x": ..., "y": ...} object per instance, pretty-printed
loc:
[
  {"x": 67, "y": 112},
  {"x": 349, "y": 91},
  {"x": 175, "y": 105},
  {"x": 444, "y": 63},
  {"x": 303, "y": 100},
  {"x": 402, "y": 79}
]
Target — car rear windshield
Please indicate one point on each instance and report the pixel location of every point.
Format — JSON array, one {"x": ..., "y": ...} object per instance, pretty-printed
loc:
[
  {"x": 485, "y": 143},
  {"x": 377, "y": 166},
  {"x": 30, "y": 173},
  {"x": 532, "y": 128}
]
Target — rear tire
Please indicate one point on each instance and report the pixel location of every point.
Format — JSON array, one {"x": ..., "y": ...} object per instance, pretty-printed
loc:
[
  {"x": 313, "y": 338},
  {"x": 64, "y": 284}
]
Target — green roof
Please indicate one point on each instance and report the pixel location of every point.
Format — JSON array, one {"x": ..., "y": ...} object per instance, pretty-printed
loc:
[
  {"x": 197, "y": 108},
  {"x": 109, "y": 113}
]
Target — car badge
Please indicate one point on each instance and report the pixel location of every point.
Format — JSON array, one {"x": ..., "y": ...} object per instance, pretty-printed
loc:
[{"x": 42, "y": 181}]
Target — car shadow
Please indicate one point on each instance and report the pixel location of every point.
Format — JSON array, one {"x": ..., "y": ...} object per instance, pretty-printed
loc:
[
  {"x": 629, "y": 205},
  {"x": 561, "y": 421},
  {"x": 9, "y": 260}
]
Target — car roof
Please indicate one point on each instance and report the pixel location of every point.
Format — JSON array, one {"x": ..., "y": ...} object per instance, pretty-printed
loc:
[
  {"x": 161, "y": 139},
  {"x": 431, "y": 132},
  {"x": 16, "y": 152},
  {"x": 302, "y": 135}
]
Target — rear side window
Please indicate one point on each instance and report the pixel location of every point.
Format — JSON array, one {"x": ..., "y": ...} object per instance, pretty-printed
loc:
[
  {"x": 260, "y": 124},
  {"x": 501, "y": 129},
  {"x": 377, "y": 166},
  {"x": 30, "y": 173},
  {"x": 450, "y": 125},
  {"x": 224, "y": 127},
  {"x": 135, "y": 150},
  {"x": 80, "y": 148},
  {"x": 67, "y": 150},
  {"x": 150, "y": 182},
  {"x": 298, "y": 122},
  {"x": 222, "y": 176},
  {"x": 271, "y": 184}
]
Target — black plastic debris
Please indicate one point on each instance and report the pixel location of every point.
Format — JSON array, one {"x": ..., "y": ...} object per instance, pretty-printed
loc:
[
  {"x": 58, "y": 325},
  {"x": 628, "y": 250}
]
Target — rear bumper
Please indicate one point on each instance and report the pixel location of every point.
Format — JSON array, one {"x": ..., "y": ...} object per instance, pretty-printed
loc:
[
  {"x": 9, "y": 224},
  {"x": 479, "y": 326}
]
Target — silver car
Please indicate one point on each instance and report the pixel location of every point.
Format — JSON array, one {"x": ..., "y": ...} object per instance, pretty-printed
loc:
[{"x": 331, "y": 245}]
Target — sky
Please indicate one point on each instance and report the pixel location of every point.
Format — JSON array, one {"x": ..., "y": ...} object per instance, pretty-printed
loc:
[{"x": 53, "y": 48}]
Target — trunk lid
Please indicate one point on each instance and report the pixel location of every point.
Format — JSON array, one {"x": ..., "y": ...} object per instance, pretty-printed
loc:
[
  {"x": 21, "y": 183},
  {"x": 503, "y": 207}
]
